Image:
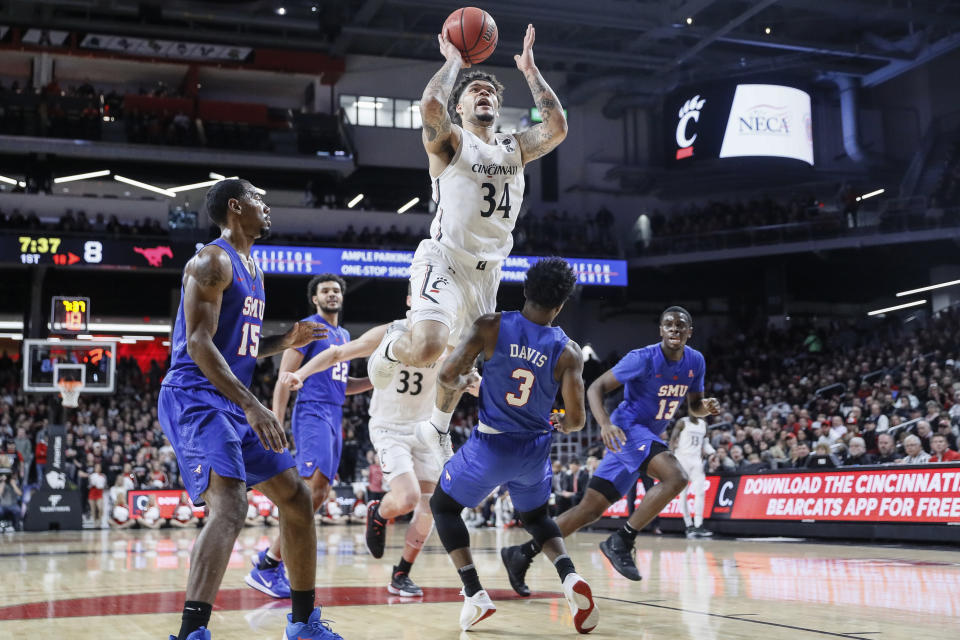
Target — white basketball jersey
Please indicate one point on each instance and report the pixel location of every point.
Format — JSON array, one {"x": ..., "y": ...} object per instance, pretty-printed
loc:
[
  {"x": 478, "y": 198},
  {"x": 690, "y": 443},
  {"x": 410, "y": 398}
]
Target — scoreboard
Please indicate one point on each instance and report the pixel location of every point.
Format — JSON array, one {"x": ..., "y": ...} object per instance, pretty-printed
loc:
[
  {"x": 69, "y": 314},
  {"x": 36, "y": 249}
]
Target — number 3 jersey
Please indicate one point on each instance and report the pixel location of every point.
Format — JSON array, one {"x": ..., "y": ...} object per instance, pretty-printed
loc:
[
  {"x": 518, "y": 388},
  {"x": 238, "y": 329},
  {"x": 478, "y": 198},
  {"x": 330, "y": 385},
  {"x": 654, "y": 387}
]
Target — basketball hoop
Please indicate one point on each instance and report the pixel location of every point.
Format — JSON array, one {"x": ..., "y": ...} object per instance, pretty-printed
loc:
[{"x": 70, "y": 392}]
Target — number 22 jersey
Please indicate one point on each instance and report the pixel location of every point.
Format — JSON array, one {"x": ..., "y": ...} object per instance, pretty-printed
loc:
[
  {"x": 478, "y": 198},
  {"x": 654, "y": 387},
  {"x": 328, "y": 386}
]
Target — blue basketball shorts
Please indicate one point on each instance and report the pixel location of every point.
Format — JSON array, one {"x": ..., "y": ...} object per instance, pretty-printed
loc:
[
  {"x": 318, "y": 436},
  {"x": 210, "y": 433},
  {"x": 621, "y": 468},
  {"x": 518, "y": 461}
]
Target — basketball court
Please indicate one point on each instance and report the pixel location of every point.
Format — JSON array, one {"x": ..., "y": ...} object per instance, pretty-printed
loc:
[{"x": 106, "y": 584}]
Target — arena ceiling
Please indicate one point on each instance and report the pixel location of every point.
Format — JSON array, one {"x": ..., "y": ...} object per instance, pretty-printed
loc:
[{"x": 634, "y": 47}]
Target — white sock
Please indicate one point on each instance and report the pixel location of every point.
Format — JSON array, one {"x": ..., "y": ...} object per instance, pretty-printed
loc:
[{"x": 441, "y": 419}]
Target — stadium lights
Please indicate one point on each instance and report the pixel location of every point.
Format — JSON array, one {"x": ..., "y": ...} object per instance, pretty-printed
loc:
[
  {"x": 82, "y": 176},
  {"x": 198, "y": 185},
  {"x": 366, "y": 104},
  {"x": 878, "y": 312},
  {"x": 870, "y": 195},
  {"x": 12, "y": 336},
  {"x": 8, "y": 180},
  {"x": 281, "y": 11},
  {"x": 933, "y": 286},
  {"x": 217, "y": 176},
  {"x": 22, "y": 184},
  {"x": 767, "y": 30},
  {"x": 144, "y": 185},
  {"x": 689, "y": 20},
  {"x": 355, "y": 201},
  {"x": 408, "y": 205},
  {"x": 122, "y": 327}
]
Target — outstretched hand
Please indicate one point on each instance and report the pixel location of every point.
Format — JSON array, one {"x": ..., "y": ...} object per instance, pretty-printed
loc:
[
  {"x": 525, "y": 59},
  {"x": 303, "y": 333},
  {"x": 449, "y": 51},
  {"x": 290, "y": 379}
]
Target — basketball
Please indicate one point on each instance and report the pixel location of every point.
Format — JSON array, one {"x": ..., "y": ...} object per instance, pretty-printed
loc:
[{"x": 473, "y": 32}]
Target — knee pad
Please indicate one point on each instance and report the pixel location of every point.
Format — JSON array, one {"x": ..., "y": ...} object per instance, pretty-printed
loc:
[
  {"x": 421, "y": 525},
  {"x": 540, "y": 525}
]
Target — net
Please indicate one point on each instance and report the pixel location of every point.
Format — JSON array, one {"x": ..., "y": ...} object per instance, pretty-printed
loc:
[{"x": 70, "y": 392}]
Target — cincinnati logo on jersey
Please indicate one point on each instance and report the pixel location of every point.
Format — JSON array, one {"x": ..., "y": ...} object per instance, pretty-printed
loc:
[
  {"x": 672, "y": 390},
  {"x": 253, "y": 307},
  {"x": 496, "y": 169}
]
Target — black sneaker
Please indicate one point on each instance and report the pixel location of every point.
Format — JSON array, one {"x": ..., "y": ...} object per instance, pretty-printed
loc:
[
  {"x": 401, "y": 585},
  {"x": 517, "y": 565},
  {"x": 702, "y": 532},
  {"x": 376, "y": 530},
  {"x": 691, "y": 532},
  {"x": 620, "y": 555}
]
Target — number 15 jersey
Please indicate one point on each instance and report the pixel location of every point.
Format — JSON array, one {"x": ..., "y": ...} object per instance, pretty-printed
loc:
[
  {"x": 654, "y": 387},
  {"x": 478, "y": 198}
]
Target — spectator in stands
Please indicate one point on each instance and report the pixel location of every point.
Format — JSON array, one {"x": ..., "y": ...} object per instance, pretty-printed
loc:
[
  {"x": 822, "y": 458},
  {"x": 857, "y": 453},
  {"x": 24, "y": 447},
  {"x": 941, "y": 451},
  {"x": 576, "y": 482},
  {"x": 887, "y": 449},
  {"x": 924, "y": 432},
  {"x": 10, "y": 495},
  {"x": 914, "y": 451},
  {"x": 799, "y": 455}
]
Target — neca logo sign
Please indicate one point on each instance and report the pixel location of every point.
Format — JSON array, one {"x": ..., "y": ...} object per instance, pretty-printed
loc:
[{"x": 689, "y": 111}]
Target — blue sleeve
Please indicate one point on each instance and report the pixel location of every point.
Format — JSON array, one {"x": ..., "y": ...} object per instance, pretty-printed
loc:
[
  {"x": 697, "y": 385},
  {"x": 632, "y": 365}
]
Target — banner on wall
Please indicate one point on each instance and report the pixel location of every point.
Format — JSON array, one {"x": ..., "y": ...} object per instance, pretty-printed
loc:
[
  {"x": 911, "y": 495},
  {"x": 169, "y": 499}
]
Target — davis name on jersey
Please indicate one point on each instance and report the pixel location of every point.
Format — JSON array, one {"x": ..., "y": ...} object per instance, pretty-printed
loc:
[
  {"x": 478, "y": 198},
  {"x": 528, "y": 353}
]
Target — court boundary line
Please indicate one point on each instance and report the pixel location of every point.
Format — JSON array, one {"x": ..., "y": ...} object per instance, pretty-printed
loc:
[{"x": 738, "y": 619}]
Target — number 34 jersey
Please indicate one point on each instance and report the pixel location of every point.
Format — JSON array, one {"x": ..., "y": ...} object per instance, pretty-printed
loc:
[
  {"x": 478, "y": 198},
  {"x": 654, "y": 387},
  {"x": 518, "y": 388},
  {"x": 330, "y": 385}
]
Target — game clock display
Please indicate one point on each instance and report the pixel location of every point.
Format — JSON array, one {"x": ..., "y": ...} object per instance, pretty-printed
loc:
[
  {"x": 69, "y": 314},
  {"x": 62, "y": 251}
]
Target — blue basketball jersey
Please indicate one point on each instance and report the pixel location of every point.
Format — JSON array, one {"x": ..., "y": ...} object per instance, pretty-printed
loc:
[
  {"x": 238, "y": 329},
  {"x": 655, "y": 387},
  {"x": 518, "y": 387},
  {"x": 330, "y": 385}
]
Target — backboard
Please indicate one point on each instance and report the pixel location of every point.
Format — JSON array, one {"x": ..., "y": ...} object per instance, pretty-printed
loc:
[{"x": 45, "y": 362}]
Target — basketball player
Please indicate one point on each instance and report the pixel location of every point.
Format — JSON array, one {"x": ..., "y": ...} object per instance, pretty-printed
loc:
[
  {"x": 409, "y": 466},
  {"x": 224, "y": 439},
  {"x": 689, "y": 443},
  {"x": 656, "y": 378},
  {"x": 316, "y": 422},
  {"x": 527, "y": 361},
  {"x": 478, "y": 188}
]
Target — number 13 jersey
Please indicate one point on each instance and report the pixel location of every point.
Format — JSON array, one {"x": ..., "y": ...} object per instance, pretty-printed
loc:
[{"x": 478, "y": 198}]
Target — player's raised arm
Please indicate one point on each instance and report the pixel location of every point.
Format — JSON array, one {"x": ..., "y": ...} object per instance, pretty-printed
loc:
[
  {"x": 300, "y": 335},
  {"x": 205, "y": 278},
  {"x": 613, "y": 436},
  {"x": 570, "y": 370},
  {"x": 540, "y": 139},
  {"x": 362, "y": 347},
  {"x": 457, "y": 372},
  {"x": 440, "y": 138}
]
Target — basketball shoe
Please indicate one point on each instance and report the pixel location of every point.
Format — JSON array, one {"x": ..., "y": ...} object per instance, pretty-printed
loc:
[
  {"x": 315, "y": 628},
  {"x": 517, "y": 565},
  {"x": 200, "y": 634},
  {"x": 376, "y": 530},
  {"x": 438, "y": 442},
  {"x": 477, "y": 607},
  {"x": 702, "y": 532},
  {"x": 582, "y": 608},
  {"x": 272, "y": 582},
  {"x": 402, "y": 585},
  {"x": 381, "y": 366},
  {"x": 620, "y": 555}
]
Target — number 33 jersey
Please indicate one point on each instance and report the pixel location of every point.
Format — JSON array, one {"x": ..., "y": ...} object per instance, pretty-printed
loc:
[
  {"x": 518, "y": 388},
  {"x": 330, "y": 385},
  {"x": 478, "y": 198},
  {"x": 408, "y": 399},
  {"x": 654, "y": 387}
]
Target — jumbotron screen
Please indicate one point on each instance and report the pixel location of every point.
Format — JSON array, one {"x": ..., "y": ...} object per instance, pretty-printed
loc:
[{"x": 738, "y": 120}]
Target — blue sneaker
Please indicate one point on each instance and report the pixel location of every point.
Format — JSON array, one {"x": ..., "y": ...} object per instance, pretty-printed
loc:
[
  {"x": 315, "y": 628},
  {"x": 200, "y": 634},
  {"x": 272, "y": 582}
]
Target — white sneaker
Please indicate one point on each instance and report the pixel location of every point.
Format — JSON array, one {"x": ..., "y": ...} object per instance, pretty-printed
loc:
[
  {"x": 438, "y": 442},
  {"x": 476, "y": 608},
  {"x": 580, "y": 598},
  {"x": 380, "y": 366}
]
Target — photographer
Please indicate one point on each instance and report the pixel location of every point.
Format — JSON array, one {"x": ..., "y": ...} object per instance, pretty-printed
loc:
[{"x": 10, "y": 500}]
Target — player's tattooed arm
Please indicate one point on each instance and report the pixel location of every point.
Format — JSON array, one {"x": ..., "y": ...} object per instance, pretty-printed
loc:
[
  {"x": 457, "y": 372},
  {"x": 438, "y": 129},
  {"x": 570, "y": 370},
  {"x": 613, "y": 436},
  {"x": 701, "y": 407},
  {"x": 540, "y": 139}
]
